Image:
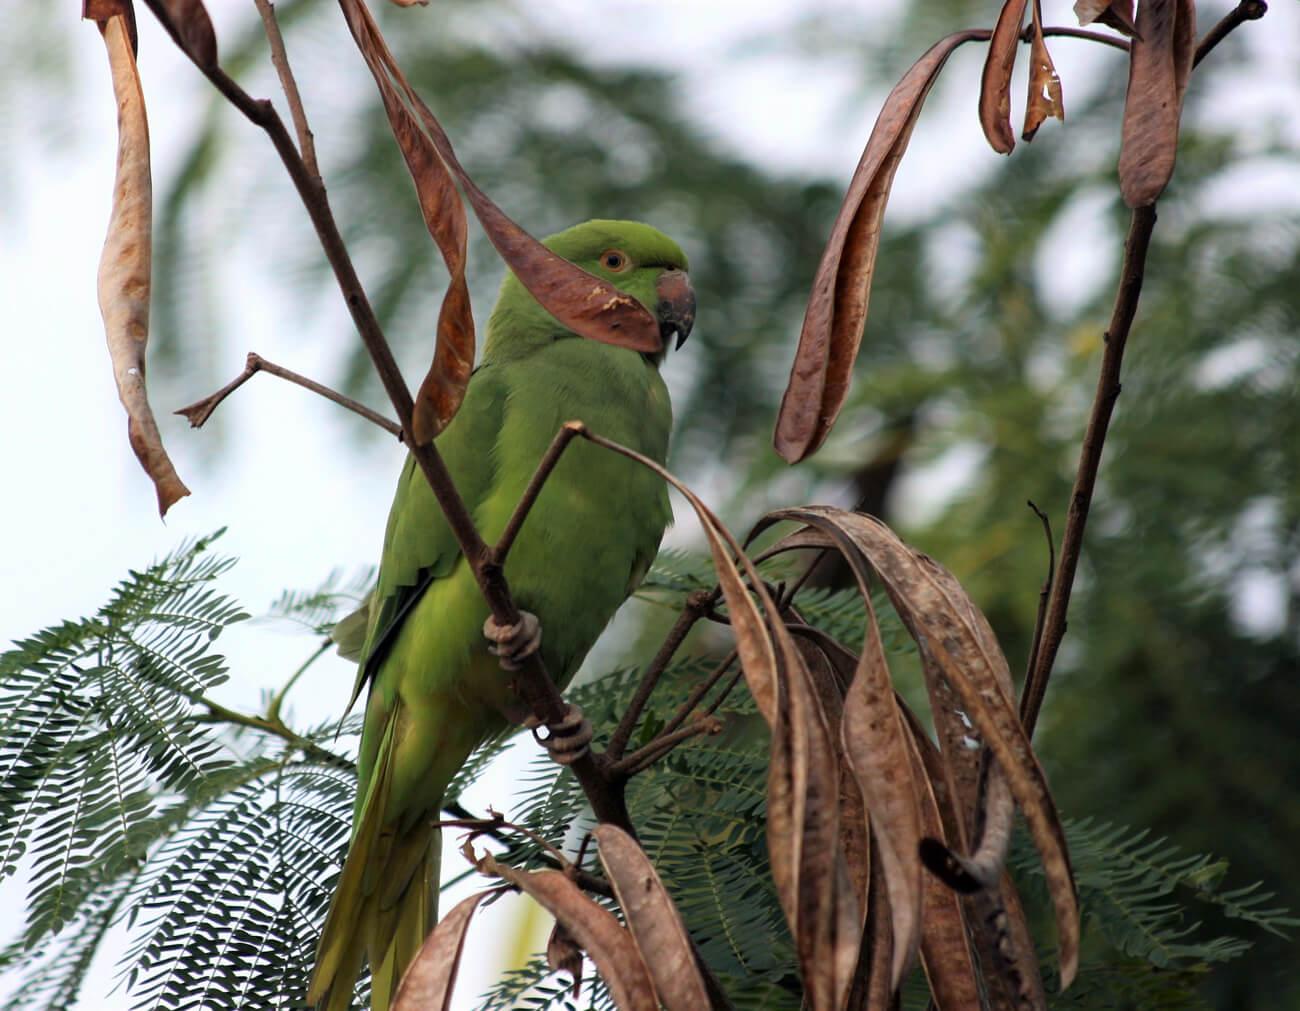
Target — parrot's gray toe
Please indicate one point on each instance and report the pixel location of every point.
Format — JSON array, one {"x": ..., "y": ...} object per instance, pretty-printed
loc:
[
  {"x": 513, "y": 643},
  {"x": 567, "y": 740}
]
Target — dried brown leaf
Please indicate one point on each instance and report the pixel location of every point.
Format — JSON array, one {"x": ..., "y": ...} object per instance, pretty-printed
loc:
[
  {"x": 995, "y": 85},
  {"x": 803, "y": 787},
  {"x": 411, "y": 3},
  {"x": 594, "y": 928},
  {"x": 917, "y": 586},
  {"x": 126, "y": 263},
  {"x": 961, "y": 762},
  {"x": 191, "y": 28},
  {"x": 582, "y": 302},
  {"x": 1159, "y": 64},
  {"x": 995, "y": 917},
  {"x": 954, "y": 828},
  {"x": 101, "y": 10},
  {"x": 958, "y": 646},
  {"x": 1184, "y": 46},
  {"x": 1118, "y": 14},
  {"x": 990, "y": 810},
  {"x": 429, "y": 980},
  {"x": 1002, "y": 939},
  {"x": 653, "y": 919},
  {"x": 945, "y": 952},
  {"x": 822, "y": 653},
  {"x": 874, "y": 742},
  {"x": 837, "y": 306},
  {"x": 564, "y": 955},
  {"x": 875, "y": 745},
  {"x": 873, "y": 988},
  {"x": 803, "y": 836},
  {"x": 812, "y": 644},
  {"x": 1044, "y": 84},
  {"x": 444, "y": 385}
]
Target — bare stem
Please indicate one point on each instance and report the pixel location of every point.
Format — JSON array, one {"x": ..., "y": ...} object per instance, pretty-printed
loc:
[
  {"x": 1247, "y": 10},
  {"x": 787, "y": 598},
  {"x": 567, "y": 433},
  {"x": 1085, "y": 481},
  {"x": 700, "y": 690},
  {"x": 697, "y": 603},
  {"x": 201, "y": 410},
  {"x": 1044, "y": 591},
  {"x": 644, "y": 757},
  {"x": 1078, "y": 33},
  {"x": 280, "y": 58},
  {"x": 731, "y": 683},
  {"x": 277, "y": 700},
  {"x": 217, "y": 713}
]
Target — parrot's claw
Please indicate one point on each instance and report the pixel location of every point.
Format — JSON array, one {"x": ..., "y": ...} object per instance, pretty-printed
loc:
[
  {"x": 567, "y": 740},
  {"x": 514, "y": 643}
]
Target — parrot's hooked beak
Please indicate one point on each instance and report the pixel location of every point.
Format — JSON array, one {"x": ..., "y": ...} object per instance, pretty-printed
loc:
[{"x": 676, "y": 306}]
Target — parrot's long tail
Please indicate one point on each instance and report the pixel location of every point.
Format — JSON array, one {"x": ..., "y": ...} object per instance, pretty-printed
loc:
[{"x": 384, "y": 904}]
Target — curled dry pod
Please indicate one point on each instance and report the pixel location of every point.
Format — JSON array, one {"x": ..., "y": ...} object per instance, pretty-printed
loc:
[
  {"x": 125, "y": 267},
  {"x": 837, "y": 307}
]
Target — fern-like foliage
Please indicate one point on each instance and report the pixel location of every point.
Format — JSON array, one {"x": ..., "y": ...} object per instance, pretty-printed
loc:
[
  {"x": 97, "y": 720},
  {"x": 321, "y": 607},
  {"x": 1145, "y": 904},
  {"x": 1146, "y": 891},
  {"x": 126, "y": 801}
]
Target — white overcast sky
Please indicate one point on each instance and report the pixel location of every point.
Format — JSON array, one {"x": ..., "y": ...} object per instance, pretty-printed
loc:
[{"x": 298, "y": 499}]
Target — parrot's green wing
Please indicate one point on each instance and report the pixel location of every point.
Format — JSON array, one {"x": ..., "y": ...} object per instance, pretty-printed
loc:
[
  {"x": 419, "y": 550},
  {"x": 419, "y": 546}
]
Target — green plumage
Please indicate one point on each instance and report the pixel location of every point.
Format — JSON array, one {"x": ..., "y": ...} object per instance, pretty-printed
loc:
[{"x": 435, "y": 691}]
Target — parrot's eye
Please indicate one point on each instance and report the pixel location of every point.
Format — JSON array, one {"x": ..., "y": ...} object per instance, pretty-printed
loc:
[{"x": 613, "y": 259}]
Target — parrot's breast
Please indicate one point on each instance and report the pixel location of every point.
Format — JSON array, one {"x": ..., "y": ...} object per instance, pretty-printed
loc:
[{"x": 600, "y": 516}]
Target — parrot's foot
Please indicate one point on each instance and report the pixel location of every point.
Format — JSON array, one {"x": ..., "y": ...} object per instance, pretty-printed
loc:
[
  {"x": 514, "y": 643},
  {"x": 567, "y": 740}
]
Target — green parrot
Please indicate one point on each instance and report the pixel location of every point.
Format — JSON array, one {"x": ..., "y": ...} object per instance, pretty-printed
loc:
[{"x": 436, "y": 688}]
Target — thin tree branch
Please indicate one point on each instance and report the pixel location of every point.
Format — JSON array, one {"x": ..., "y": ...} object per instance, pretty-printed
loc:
[
  {"x": 1085, "y": 481},
  {"x": 531, "y": 683},
  {"x": 734, "y": 680},
  {"x": 1077, "y": 33},
  {"x": 567, "y": 433},
  {"x": 280, "y": 58},
  {"x": 493, "y": 827},
  {"x": 200, "y": 411},
  {"x": 698, "y": 603},
  {"x": 217, "y": 713},
  {"x": 644, "y": 757},
  {"x": 277, "y": 700},
  {"x": 786, "y": 599},
  {"x": 700, "y": 690},
  {"x": 1247, "y": 10},
  {"x": 1043, "y": 593}
]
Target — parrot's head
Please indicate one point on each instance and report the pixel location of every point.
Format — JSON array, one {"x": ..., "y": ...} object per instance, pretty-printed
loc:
[{"x": 635, "y": 258}]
